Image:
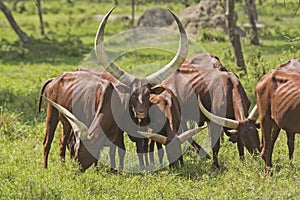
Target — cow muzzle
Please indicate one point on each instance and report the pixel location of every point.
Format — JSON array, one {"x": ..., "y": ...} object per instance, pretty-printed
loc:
[{"x": 140, "y": 115}]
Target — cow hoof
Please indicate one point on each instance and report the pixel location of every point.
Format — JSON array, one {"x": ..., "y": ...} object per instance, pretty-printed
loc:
[
  {"x": 268, "y": 171},
  {"x": 205, "y": 157},
  {"x": 96, "y": 168},
  {"x": 215, "y": 166},
  {"x": 113, "y": 171},
  {"x": 174, "y": 165},
  {"x": 208, "y": 157}
]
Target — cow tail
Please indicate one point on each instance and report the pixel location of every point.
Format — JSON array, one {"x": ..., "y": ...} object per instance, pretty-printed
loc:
[{"x": 42, "y": 92}]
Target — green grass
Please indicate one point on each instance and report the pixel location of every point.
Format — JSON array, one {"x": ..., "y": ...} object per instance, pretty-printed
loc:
[{"x": 68, "y": 44}]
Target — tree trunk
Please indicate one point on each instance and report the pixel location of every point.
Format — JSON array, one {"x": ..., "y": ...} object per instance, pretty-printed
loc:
[
  {"x": 21, "y": 34},
  {"x": 132, "y": 12},
  {"x": 296, "y": 10},
  {"x": 252, "y": 15},
  {"x": 233, "y": 36},
  {"x": 38, "y": 5}
]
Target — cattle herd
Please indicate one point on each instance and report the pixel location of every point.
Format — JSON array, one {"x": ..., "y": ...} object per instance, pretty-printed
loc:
[{"x": 97, "y": 107}]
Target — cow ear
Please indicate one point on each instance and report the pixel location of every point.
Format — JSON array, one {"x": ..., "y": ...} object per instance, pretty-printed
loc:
[
  {"x": 157, "y": 89},
  {"x": 123, "y": 88}
]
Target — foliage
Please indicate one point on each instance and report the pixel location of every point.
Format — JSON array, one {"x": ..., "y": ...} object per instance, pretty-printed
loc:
[{"x": 67, "y": 45}]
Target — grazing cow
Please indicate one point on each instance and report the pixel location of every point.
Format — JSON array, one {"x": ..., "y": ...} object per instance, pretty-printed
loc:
[
  {"x": 165, "y": 111},
  {"x": 137, "y": 105},
  {"x": 89, "y": 98},
  {"x": 291, "y": 66},
  {"x": 277, "y": 97},
  {"x": 167, "y": 96},
  {"x": 220, "y": 92}
]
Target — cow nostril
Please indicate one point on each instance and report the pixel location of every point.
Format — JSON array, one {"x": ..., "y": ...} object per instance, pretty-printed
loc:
[{"x": 140, "y": 115}]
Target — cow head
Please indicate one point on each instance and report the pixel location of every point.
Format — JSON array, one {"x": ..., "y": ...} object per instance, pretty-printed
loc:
[
  {"x": 246, "y": 130},
  {"x": 139, "y": 102},
  {"x": 80, "y": 133}
]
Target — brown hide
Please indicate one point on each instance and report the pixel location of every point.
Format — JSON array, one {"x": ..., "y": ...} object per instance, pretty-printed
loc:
[
  {"x": 167, "y": 103},
  {"x": 277, "y": 97},
  {"x": 88, "y": 97},
  {"x": 220, "y": 92}
]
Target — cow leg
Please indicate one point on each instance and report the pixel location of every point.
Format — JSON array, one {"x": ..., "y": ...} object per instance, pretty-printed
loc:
[
  {"x": 64, "y": 139},
  {"x": 181, "y": 162},
  {"x": 121, "y": 153},
  {"x": 173, "y": 149},
  {"x": 71, "y": 144},
  {"x": 145, "y": 151},
  {"x": 161, "y": 152},
  {"x": 51, "y": 124},
  {"x": 290, "y": 143},
  {"x": 121, "y": 150},
  {"x": 198, "y": 149},
  {"x": 215, "y": 133},
  {"x": 151, "y": 151},
  {"x": 96, "y": 165},
  {"x": 112, "y": 154},
  {"x": 140, "y": 152},
  {"x": 270, "y": 133},
  {"x": 240, "y": 147}
]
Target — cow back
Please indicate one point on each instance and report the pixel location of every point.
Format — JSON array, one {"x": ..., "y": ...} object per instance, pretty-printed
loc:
[{"x": 285, "y": 100}]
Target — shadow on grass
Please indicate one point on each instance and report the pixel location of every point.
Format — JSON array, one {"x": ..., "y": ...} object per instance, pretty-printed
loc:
[
  {"x": 70, "y": 50},
  {"x": 25, "y": 104}
]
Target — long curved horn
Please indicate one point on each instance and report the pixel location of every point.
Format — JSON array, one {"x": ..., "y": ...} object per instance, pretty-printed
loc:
[
  {"x": 229, "y": 123},
  {"x": 190, "y": 133},
  {"x": 253, "y": 114},
  {"x": 102, "y": 57},
  {"x": 182, "y": 137},
  {"x": 78, "y": 127},
  {"x": 154, "y": 136},
  {"x": 179, "y": 58}
]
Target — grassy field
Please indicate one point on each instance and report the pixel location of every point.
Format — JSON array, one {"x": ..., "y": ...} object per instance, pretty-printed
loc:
[{"x": 67, "y": 45}]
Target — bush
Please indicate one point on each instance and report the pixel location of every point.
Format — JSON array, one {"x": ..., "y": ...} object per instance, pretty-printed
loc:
[
  {"x": 211, "y": 35},
  {"x": 10, "y": 124}
]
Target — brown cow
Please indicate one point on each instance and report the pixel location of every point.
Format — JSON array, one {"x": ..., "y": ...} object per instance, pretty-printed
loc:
[
  {"x": 89, "y": 98},
  {"x": 221, "y": 93},
  {"x": 164, "y": 97},
  {"x": 164, "y": 111},
  {"x": 277, "y": 97},
  {"x": 136, "y": 99},
  {"x": 137, "y": 104}
]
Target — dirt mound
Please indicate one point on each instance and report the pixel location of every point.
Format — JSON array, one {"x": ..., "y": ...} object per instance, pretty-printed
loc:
[
  {"x": 206, "y": 14},
  {"x": 155, "y": 17}
]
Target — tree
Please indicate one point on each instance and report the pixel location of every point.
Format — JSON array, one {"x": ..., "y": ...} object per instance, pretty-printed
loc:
[
  {"x": 21, "y": 34},
  {"x": 233, "y": 35},
  {"x": 38, "y": 5},
  {"x": 132, "y": 12},
  {"x": 252, "y": 15}
]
